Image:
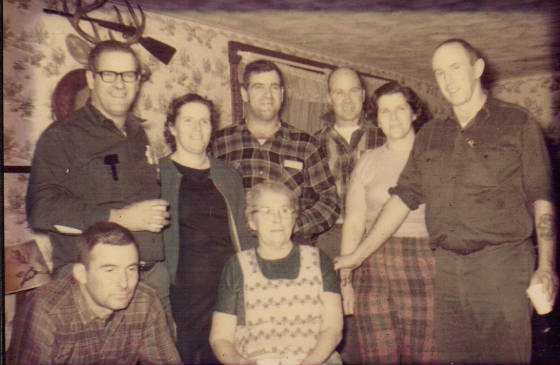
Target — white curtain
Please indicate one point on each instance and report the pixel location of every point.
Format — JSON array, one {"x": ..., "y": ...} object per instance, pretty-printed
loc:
[{"x": 305, "y": 97}]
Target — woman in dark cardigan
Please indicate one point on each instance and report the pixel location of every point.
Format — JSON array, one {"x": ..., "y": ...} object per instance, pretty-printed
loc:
[{"x": 206, "y": 203}]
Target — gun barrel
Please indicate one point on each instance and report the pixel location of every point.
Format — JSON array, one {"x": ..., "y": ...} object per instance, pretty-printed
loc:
[{"x": 105, "y": 23}]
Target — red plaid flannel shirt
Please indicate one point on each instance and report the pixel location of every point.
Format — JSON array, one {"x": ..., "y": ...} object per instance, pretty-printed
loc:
[
  {"x": 292, "y": 157},
  {"x": 55, "y": 326}
]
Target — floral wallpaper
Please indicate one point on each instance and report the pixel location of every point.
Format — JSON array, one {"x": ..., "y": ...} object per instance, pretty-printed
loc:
[
  {"x": 36, "y": 57},
  {"x": 541, "y": 96}
]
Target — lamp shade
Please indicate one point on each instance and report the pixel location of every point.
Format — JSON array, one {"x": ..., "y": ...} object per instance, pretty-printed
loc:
[{"x": 24, "y": 267}]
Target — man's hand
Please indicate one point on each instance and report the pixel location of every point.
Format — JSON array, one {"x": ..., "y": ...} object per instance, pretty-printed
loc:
[
  {"x": 348, "y": 298},
  {"x": 350, "y": 261},
  {"x": 147, "y": 215},
  {"x": 347, "y": 291},
  {"x": 549, "y": 279}
]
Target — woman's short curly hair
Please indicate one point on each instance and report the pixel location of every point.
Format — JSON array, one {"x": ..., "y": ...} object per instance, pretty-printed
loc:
[
  {"x": 175, "y": 107},
  {"x": 419, "y": 108}
]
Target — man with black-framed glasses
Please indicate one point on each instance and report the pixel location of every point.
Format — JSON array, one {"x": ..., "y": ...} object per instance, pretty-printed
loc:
[{"x": 96, "y": 165}]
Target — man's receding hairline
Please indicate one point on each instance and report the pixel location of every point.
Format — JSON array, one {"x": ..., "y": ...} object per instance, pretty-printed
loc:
[
  {"x": 99, "y": 243},
  {"x": 255, "y": 73},
  {"x": 466, "y": 51},
  {"x": 344, "y": 71},
  {"x": 113, "y": 51}
]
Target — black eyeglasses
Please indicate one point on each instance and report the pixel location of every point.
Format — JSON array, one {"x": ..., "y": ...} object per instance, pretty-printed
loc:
[{"x": 111, "y": 76}]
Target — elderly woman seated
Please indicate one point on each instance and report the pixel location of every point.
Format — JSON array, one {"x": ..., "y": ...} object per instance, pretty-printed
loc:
[{"x": 278, "y": 303}]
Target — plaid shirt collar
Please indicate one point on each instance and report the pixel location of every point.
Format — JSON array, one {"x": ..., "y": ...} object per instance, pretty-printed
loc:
[
  {"x": 483, "y": 114},
  {"x": 282, "y": 133},
  {"x": 329, "y": 121},
  {"x": 363, "y": 126}
]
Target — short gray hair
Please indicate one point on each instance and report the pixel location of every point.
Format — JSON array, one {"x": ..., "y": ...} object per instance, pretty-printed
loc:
[{"x": 252, "y": 196}]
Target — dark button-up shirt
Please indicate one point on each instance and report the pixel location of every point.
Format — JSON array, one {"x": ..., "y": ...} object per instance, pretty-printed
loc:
[
  {"x": 290, "y": 156},
  {"x": 56, "y": 326},
  {"x": 342, "y": 156},
  {"x": 478, "y": 182},
  {"x": 73, "y": 184}
]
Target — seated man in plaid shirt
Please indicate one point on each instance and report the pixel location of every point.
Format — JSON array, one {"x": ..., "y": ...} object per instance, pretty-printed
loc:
[
  {"x": 96, "y": 314},
  {"x": 263, "y": 147}
]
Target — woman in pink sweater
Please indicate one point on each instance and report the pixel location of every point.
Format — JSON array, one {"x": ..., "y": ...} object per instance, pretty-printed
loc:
[{"x": 391, "y": 293}]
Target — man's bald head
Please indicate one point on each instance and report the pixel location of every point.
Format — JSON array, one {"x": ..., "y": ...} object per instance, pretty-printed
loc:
[
  {"x": 344, "y": 73},
  {"x": 346, "y": 95}
]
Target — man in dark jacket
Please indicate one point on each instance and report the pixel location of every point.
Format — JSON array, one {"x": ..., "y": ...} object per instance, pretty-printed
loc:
[{"x": 95, "y": 165}]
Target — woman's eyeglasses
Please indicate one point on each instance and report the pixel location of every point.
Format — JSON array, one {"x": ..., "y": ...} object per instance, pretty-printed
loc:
[{"x": 284, "y": 212}]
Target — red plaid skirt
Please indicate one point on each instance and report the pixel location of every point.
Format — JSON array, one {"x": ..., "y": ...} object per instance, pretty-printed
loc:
[{"x": 394, "y": 303}]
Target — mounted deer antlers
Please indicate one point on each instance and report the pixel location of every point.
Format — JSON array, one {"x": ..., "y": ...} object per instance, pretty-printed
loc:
[
  {"x": 80, "y": 11},
  {"x": 140, "y": 26},
  {"x": 132, "y": 33}
]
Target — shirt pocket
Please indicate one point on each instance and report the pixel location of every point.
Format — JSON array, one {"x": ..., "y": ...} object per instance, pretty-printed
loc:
[
  {"x": 91, "y": 180},
  {"x": 489, "y": 166},
  {"x": 117, "y": 176},
  {"x": 292, "y": 175},
  {"x": 434, "y": 168}
]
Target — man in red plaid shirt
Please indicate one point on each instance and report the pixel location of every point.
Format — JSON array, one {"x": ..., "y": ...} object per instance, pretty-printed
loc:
[{"x": 96, "y": 314}]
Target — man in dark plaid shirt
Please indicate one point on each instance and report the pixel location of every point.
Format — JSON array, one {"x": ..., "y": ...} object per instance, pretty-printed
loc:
[
  {"x": 96, "y": 314},
  {"x": 264, "y": 148},
  {"x": 346, "y": 134}
]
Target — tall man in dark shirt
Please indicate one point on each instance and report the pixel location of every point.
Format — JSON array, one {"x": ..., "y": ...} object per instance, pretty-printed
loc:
[
  {"x": 94, "y": 165},
  {"x": 96, "y": 314},
  {"x": 263, "y": 147},
  {"x": 484, "y": 175}
]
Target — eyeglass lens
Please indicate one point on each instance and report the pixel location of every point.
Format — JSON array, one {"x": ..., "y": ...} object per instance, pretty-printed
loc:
[{"x": 111, "y": 76}]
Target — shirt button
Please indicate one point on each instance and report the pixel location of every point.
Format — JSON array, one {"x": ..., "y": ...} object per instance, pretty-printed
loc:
[{"x": 261, "y": 172}]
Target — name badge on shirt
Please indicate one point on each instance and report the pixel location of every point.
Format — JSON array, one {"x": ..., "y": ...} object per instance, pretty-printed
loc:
[{"x": 293, "y": 164}]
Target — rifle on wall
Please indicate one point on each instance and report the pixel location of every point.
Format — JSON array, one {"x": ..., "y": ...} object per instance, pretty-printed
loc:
[{"x": 132, "y": 33}]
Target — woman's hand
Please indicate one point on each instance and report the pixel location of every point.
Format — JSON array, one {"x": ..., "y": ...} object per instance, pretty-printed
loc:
[{"x": 350, "y": 261}]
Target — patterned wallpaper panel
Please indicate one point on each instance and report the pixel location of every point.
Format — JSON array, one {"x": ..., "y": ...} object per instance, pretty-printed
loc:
[{"x": 540, "y": 94}]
